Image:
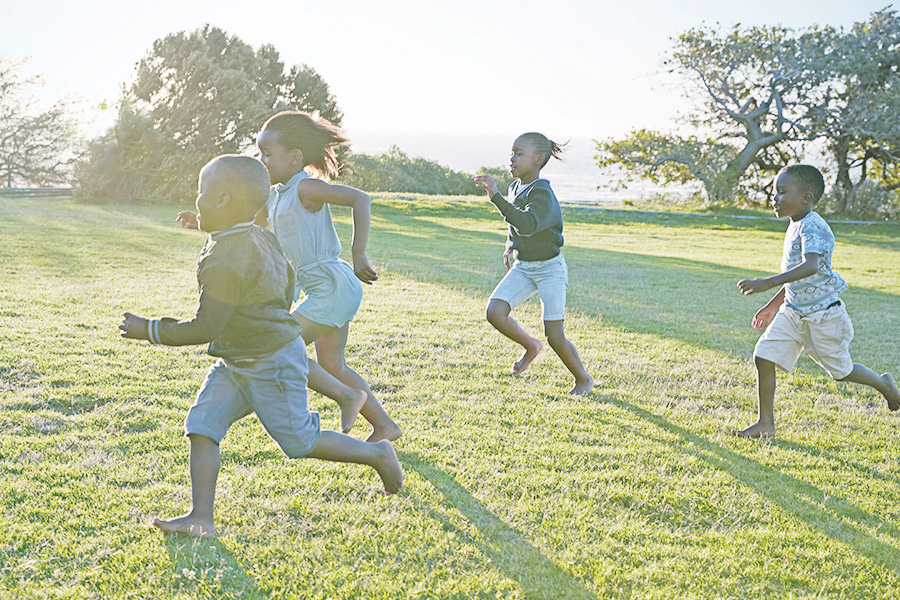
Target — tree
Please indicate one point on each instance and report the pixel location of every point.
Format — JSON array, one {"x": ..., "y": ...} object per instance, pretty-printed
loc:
[
  {"x": 36, "y": 142},
  {"x": 865, "y": 147},
  {"x": 762, "y": 88},
  {"x": 196, "y": 95}
]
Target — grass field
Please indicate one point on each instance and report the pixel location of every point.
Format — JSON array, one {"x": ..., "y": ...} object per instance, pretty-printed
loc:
[{"x": 513, "y": 489}]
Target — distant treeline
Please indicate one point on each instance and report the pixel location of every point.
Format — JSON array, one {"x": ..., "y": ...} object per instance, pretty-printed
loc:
[{"x": 395, "y": 171}]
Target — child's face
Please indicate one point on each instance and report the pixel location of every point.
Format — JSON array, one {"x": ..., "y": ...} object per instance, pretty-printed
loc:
[
  {"x": 525, "y": 162},
  {"x": 790, "y": 198},
  {"x": 209, "y": 202},
  {"x": 281, "y": 163}
]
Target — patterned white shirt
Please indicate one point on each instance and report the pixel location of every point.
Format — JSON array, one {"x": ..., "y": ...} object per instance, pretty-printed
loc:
[{"x": 811, "y": 235}]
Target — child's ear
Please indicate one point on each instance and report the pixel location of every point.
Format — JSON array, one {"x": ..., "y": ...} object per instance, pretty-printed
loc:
[
  {"x": 297, "y": 156},
  {"x": 224, "y": 199}
]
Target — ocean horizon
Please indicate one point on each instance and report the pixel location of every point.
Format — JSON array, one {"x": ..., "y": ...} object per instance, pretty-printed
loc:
[{"x": 576, "y": 178}]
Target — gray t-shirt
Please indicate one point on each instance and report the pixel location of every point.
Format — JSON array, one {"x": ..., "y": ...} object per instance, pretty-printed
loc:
[{"x": 811, "y": 235}]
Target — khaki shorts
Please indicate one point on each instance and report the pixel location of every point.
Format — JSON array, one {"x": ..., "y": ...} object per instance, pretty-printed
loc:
[{"x": 824, "y": 334}]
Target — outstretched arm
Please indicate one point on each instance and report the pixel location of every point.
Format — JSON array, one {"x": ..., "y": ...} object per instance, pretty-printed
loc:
[
  {"x": 808, "y": 267},
  {"x": 314, "y": 193},
  {"x": 212, "y": 316}
]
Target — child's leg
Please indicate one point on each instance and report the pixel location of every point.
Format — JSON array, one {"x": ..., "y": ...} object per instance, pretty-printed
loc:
[
  {"x": 497, "y": 315},
  {"x": 765, "y": 423},
  {"x": 883, "y": 383},
  {"x": 350, "y": 400},
  {"x": 330, "y": 349},
  {"x": 379, "y": 455},
  {"x": 204, "y": 472},
  {"x": 569, "y": 355}
]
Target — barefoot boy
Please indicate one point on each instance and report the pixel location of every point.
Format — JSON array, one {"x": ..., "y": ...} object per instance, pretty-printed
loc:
[
  {"x": 806, "y": 312},
  {"x": 246, "y": 286}
]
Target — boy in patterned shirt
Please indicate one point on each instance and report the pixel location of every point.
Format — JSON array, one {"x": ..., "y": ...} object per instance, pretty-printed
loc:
[{"x": 807, "y": 312}]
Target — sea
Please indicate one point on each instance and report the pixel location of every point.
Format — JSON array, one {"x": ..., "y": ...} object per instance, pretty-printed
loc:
[{"x": 576, "y": 178}]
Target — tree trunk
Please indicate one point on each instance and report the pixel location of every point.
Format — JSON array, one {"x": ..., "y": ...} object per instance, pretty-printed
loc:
[{"x": 843, "y": 185}]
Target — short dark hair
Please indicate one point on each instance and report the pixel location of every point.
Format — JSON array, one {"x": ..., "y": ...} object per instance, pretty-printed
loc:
[
  {"x": 245, "y": 177},
  {"x": 809, "y": 177}
]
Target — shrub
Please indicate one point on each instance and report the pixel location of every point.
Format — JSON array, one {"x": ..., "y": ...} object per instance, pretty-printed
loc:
[{"x": 395, "y": 171}]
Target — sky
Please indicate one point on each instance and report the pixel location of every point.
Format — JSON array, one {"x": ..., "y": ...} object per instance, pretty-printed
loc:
[{"x": 568, "y": 68}]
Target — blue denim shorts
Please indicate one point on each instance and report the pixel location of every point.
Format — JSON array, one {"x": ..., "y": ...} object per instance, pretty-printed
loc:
[
  {"x": 274, "y": 387},
  {"x": 550, "y": 278}
]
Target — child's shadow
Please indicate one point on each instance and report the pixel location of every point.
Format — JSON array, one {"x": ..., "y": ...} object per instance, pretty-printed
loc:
[
  {"x": 205, "y": 567},
  {"x": 538, "y": 576},
  {"x": 818, "y": 510}
]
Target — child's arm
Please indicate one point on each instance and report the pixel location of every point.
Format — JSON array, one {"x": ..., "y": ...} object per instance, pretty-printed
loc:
[
  {"x": 487, "y": 183},
  {"x": 212, "y": 316},
  {"x": 764, "y": 316},
  {"x": 188, "y": 220},
  {"x": 314, "y": 193},
  {"x": 808, "y": 267}
]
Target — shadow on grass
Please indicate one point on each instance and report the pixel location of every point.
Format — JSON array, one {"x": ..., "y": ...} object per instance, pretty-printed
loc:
[
  {"x": 506, "y": 548},
  {"x": 207, "y": 568},
  {"x": 818, "y": 510},
  {"x": 693, "y": 301}
]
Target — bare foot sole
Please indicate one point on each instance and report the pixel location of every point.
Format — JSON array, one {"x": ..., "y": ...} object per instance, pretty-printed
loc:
[
  {"x": 388, "y": 467},
  {"x": 350, "y": 410},
  {"x": 581, "y": 389},
  {"x": 530, "y": 354},
  {"x": 187, "y": 525},
  {"x": 893, "y": 399},
  {"x": 390, "y": 433},
  {"x": 755, "y": 431}
]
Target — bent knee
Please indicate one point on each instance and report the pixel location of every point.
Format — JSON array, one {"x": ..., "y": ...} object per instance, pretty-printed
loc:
[{"x": 496, "y": 311}]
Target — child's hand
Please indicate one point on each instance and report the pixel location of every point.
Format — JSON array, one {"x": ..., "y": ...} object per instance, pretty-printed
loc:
[
  {"x": 752, "y": 286},
  {"x": 764, "y": 316},
  {"x": 364, "y": 271},
  {"x": 486, "y": 183},
  {"x": 134, "y": 327},
  {"x": 188, "y": 220},
  {"x": 506, "y": 257}
]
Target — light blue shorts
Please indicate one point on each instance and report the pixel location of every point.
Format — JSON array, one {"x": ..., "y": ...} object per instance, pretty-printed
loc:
[
  {"x": 550, "y": 278},
  {"x": 273, "y": 387},
  {"x": 333, "y": 293}
]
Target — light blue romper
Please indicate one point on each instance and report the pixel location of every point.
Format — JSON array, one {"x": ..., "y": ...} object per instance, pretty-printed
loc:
[{"x": 310, "y": 242}]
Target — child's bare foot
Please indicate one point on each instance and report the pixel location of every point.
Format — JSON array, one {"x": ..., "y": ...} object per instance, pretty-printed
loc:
[
  {"x": 893, "y": 398},
  {"x": 388, "y": 467},
  {"x": 389, "y": 432},
  {"x": 350, "y": 408},
  {"x": 582, "y": 388},
  {"x": 187, "y": 525},
  {"x": 756, "y": 430},
  {"x": 530, "y": 354}
]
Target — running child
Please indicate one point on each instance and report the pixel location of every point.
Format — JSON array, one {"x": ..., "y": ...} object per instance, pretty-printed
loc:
[
  {"x": 298, "y": 210},
  {"x": 533, "y": 258},
  {"x": 807, "y": 312},
  {"x": 246, "y": 288}
]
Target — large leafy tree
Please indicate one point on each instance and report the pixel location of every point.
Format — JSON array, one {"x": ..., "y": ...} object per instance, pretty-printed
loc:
[
  {"x": 865, "y": 146},
  {"x": 759, "y": 90},
  {"x": 195, "y": 95},
  {"x": 37, "y": 141}
]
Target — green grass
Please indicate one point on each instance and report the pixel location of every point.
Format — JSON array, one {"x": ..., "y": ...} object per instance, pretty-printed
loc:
[{"x": 513, "y": 489}]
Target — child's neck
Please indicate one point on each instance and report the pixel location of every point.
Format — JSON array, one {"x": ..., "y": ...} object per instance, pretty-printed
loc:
[
  {"x": 530, "y": 177},
  {"x": 291, "y": 176},
  {"x": 801, "y": 215}
]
